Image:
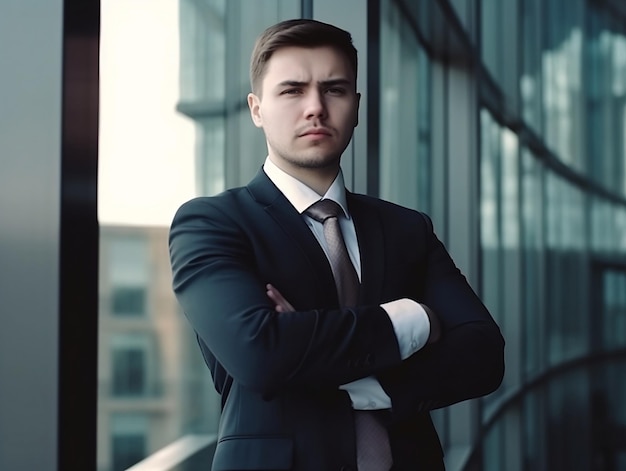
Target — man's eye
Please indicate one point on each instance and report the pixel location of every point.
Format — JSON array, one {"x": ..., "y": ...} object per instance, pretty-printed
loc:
[
  {"x": 336, "y": 91},
  {"x": 291, "y": 91}
]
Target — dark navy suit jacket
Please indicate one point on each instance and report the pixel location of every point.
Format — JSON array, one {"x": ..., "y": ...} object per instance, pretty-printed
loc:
[{"x": 279, "y": 373}]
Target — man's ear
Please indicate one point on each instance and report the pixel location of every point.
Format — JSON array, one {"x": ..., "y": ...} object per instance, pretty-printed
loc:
[{"x": 254, "y": 103}]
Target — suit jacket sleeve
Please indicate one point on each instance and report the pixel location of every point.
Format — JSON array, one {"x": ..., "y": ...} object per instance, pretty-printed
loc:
[
  {"x": 216, "y": 280},
  {"x": 468, "y": 360}
]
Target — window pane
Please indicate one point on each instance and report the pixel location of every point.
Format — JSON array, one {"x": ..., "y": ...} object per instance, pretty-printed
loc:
[
  {"x": 533, "y": 261},
  {"x": 490, "y": 210},
  {"x": 129, "y": 371},
  {"x": 126, "y": 258},
  {"x": 530, "y": 77},
  {"x": 493, "y": 448},
  {"x": 128, "y": 449},
  {"x": 129, "y": 300},
  {"x": 404, "y": 130},
  {"x": 562, "y": 92},
  {"x": 128, "y": 440}
]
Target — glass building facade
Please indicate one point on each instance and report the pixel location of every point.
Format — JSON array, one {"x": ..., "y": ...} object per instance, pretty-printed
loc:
[{"x": 505, "y": 120}]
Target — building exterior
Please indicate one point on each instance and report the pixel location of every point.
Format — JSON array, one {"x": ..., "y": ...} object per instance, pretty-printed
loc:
[{"x": 153, "y": 385}]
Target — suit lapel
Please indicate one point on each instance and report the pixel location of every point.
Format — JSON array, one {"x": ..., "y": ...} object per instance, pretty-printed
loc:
[
  {"x": 369, "y": 232},
  {"x": 265, "y": 193}
]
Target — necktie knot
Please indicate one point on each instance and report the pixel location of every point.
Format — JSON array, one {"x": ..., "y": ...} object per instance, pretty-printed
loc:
[{"x": 323, "y": 209}]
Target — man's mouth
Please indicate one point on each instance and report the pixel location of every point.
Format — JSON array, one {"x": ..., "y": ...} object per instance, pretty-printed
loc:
[{"x": 316, "y": 132}]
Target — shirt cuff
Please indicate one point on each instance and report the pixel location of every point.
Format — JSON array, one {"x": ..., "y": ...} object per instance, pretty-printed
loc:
[
  {"x": 367, "y": 394},
  {"x": 410, "y": 323}
]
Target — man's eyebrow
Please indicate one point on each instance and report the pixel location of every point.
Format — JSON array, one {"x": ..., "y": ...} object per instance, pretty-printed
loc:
[
  {"x": 326, "y": 83},
  {"x": 335, "y": 82},
  {"x": 291, "y": 83}
]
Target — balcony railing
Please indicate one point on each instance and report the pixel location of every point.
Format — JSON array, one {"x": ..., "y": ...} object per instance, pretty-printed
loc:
[{"x": 188, "y": 453}]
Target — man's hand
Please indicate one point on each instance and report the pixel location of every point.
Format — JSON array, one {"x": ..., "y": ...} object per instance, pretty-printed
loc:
[{"x": 282, "y": 305}]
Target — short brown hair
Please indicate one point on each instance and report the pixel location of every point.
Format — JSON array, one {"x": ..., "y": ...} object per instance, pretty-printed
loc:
[{"x": 298, "y": 33}]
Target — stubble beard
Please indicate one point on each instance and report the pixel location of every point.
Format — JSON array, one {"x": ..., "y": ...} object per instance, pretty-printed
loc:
[
  {"x": 315, "y": 160},
  {"x": 319, "y": 162}
]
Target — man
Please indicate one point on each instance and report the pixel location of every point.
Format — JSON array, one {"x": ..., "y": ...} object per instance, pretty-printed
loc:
[{"x": 330, "y": 329}]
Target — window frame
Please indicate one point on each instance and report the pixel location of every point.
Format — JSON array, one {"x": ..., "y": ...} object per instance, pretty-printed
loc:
[{"x": 79, "y": 237}]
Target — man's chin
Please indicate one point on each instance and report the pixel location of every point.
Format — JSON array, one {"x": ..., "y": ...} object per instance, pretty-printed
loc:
[
  {"x": 318, "y": 164},
  {"x": 316, "y": 161}
]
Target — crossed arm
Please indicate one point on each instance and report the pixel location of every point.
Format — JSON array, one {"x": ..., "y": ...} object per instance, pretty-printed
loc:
[
  {"x": 282, "y": 305},
  {"x": 367, "y": 392},
  {"x": 410, "y": 389},
  {"x": 467, "y": 363},
  {"x": 260, "y": 340}
]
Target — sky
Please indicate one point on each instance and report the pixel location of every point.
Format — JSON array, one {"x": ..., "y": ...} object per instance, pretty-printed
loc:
[{"x": 146, "y": 150}]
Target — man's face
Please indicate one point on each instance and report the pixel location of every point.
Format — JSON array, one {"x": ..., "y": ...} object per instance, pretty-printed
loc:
[{"x": 308, "y": 108}]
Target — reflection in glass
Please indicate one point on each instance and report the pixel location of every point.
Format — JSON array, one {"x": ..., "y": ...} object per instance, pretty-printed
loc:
[
  {"x": 490, "y": 235},
  {"x": 533, "y": 432},
  {"x": 562, "y": 92},
  {"x": 510, "y": 190},
  {"x": 568, "y": 422},
  {"x": 493, "y": 448},
  {"x": 606, "y": 99},
  {"x": 531, "y": 76},
  {"x": 491, "y": 13},
  {"x": 499, "y": 224},
  {"x": 404, "y": 130},
  {"x": 533, "y": 261},
  {"x": 572, "y": 92},
  {"x": 613, "y": 308},
  {"x": 566, "y": 268}
]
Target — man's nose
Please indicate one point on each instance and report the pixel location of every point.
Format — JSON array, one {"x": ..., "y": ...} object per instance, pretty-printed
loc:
[{"x": 315, "y": 105}]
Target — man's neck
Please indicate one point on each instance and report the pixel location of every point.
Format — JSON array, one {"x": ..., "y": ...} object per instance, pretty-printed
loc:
[{"x": 318, "y": 179}]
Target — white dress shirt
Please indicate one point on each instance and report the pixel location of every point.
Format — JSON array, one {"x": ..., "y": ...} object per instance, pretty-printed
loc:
[{"x": 408, "y": 317}]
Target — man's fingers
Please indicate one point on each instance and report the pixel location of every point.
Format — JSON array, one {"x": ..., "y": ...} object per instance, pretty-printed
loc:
[
  {"x": 275, "y": 295},
  {"x": 282, "y": 305}
]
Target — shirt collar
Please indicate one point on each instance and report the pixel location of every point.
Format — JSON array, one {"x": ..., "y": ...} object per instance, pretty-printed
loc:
[{"x": 300, "y": 195}]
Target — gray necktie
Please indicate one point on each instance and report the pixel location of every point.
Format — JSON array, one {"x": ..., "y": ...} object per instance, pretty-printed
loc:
[
  {"x": 346, "y": 279},
  {"x": 373, "y": 451}
]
